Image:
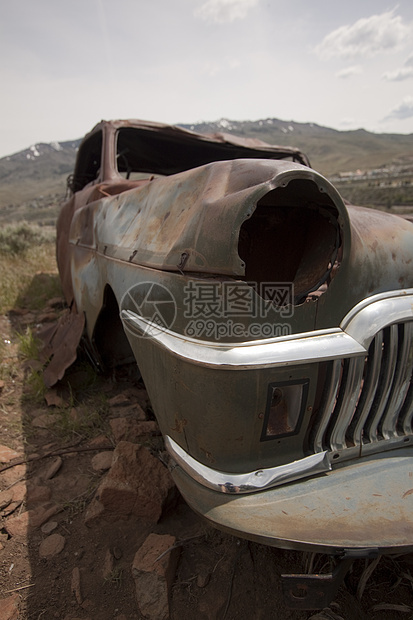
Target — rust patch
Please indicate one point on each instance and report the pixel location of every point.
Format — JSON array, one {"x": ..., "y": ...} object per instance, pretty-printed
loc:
[
  {"x": 180, "y": 424},
  {"x": 208, "y": 455}
]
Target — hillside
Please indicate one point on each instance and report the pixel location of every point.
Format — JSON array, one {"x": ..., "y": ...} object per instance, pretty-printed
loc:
[
  {"x": 330, "y": 151},
  {"x": 33, "y": 181}
]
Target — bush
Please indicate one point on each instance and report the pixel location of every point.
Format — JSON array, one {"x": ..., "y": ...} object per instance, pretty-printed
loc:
[{"x": 17, "y": 238}]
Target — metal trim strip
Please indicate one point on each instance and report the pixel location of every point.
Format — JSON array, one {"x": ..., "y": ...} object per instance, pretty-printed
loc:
[
  {"x": 298, "y": 349},
  {"x": 351, "y": 339},
  {"x": 251, "y": 481}
]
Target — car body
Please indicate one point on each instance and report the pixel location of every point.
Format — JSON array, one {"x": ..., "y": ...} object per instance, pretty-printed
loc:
[{"x": 271, "y": 322}]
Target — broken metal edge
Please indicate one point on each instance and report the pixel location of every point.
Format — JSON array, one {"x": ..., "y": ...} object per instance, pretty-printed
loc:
[{"x": 251, "y": 481}]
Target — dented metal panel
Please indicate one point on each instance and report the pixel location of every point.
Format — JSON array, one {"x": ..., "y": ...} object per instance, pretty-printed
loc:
[{"x": 155, "y": 225}]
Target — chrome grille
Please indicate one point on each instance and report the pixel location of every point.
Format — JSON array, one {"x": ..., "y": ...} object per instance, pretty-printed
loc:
[{"x": 368, "y": 399}]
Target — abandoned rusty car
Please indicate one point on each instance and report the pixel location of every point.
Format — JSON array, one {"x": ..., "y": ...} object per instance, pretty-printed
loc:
[{"x": 271, "y": 322}]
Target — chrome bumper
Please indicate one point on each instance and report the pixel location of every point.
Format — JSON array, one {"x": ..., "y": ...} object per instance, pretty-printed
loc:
[
  {"x": 249, "y": 482},
  {"x": 351, "y": 339}
]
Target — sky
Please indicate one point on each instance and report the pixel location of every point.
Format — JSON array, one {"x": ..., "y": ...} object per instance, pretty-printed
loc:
[{"x": 67, "y": 65}]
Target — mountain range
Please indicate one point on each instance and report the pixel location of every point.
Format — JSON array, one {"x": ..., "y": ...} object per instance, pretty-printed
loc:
[{"x": 34, "y": 180}]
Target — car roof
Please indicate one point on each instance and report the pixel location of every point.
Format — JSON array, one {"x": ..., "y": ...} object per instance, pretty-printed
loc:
[{"x": 216, "y": 146}]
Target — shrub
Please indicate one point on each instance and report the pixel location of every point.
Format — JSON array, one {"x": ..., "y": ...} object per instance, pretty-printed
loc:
[{"x": 17, "y": 238}]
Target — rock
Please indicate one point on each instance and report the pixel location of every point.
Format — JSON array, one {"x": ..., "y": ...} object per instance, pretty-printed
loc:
[
  {"x": 6, "y": 497},
  {"x": 108, "y": 564},
  {"x": 76, "y": 585},
  {"x": 128, "y": 398},
  {"x": 11, "y": 508},
  {"x": 7, "y": 454},
  {"x": 51, "y": 546},
  {"x": 203, "y": 577},
  {"x": 18, "y": 526},
  {"x": 12, "y": 498},
  {"x": 137, "y": 484},
  {"x": 102, "y": 461},
  {"x": 101, "y": 441},
  {"x": 19, "y": 491},
  {"x": 47, "y": 528},
  {"x": 37, "y": 494},
  {"x": 9, "y": 609},
  {"x": 88, "y": 605},
  {"x": 45, "y": 420},
  {"x": 133, "y": 411},
  {"x": 119, "y": 400},
  {"x": 13, "y": 475},
  {"x": 70, "y": 485},
  {"x": 53, "y": 399},
  {"x": 30, "y": 520},
  {"x": 40, "y": 515},
  {"x": 154, "y": 576},
  {"x": 125, "y": 404},
  {"x": 95, "y": 511},
  {"x": 129, "y": 429},
  {"x": 137, "y": 395},
  {"x": 51, "y": 469}
]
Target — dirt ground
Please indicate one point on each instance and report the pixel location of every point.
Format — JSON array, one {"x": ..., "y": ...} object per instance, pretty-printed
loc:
[{"x": 53, "y": 565}]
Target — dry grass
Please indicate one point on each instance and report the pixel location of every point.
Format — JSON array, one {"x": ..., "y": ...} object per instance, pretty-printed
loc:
[{"x": 27, "y": 267}]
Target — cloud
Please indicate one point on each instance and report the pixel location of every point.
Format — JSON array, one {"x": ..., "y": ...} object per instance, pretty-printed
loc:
[
  {"x": 403, "y": 110},
  {"x": 222, "y": 11},
  {"x": 403, "y": 73},
  {"x": 366, "y": 37},
  {"x": 349, "y": 71},
  {"x": 347, "y": 122}
]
